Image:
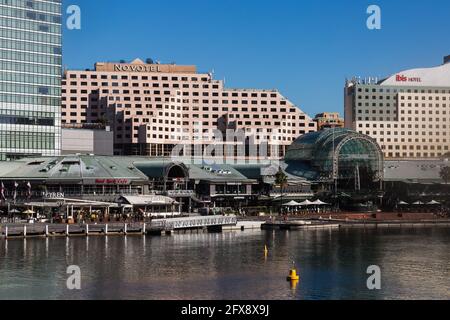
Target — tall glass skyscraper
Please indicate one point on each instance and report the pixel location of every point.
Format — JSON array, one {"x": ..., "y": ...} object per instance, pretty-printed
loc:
[{"x": 30, "y": 78}]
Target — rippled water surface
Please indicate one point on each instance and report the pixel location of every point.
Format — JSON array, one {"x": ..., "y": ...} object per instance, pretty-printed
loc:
[{"x": 415, "y": 264}]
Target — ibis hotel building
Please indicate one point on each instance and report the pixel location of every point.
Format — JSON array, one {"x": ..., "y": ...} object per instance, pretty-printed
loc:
[
  {"x": 30, "y": 78},
  {"x": 408, "y": 114},
  {"x": 154, "y": 108}
]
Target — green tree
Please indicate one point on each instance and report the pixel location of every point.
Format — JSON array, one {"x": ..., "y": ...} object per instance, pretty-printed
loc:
[
  {"x": 445, "y": 174},
  {"x": 281, "y": 180},
  {"x": 103, "y": 120}
]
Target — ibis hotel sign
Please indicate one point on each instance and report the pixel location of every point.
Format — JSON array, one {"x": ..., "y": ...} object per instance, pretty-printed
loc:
[{"x": 403, "y": 78}]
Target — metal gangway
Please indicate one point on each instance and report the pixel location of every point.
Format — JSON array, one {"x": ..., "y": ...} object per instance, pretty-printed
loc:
[{"x": 193, "y": 222}]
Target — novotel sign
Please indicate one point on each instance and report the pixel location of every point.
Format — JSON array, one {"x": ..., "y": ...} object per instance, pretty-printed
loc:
[{"x": 137, "y": 68}]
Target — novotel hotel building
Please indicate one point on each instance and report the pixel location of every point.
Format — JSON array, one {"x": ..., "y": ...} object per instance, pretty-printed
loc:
[
  {"x": 408, "y": 113},
  {"x": 154, "y": 108},
  {"x": 30, "y": 78}
]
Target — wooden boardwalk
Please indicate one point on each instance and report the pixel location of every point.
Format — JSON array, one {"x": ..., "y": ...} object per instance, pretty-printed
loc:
[{"x": 155, "y": 227}]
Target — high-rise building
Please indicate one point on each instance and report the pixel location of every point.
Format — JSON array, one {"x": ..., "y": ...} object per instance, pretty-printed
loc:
[
  {"x": 408, "y": 113},
  {"x": 154, "y": 108},
  {"x": 30, "y": 78},
  {"x": 328, "y": 120}
]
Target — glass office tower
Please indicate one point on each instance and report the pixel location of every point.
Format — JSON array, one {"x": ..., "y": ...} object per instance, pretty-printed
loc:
[{"x": 30, "y": 78}]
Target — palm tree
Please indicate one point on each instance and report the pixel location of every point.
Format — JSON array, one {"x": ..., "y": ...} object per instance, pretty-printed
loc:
[{"x": 282, "y": 181}]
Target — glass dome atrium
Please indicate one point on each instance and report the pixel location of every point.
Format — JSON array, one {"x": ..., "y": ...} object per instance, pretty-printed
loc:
[{"x": 335, "y": 153}]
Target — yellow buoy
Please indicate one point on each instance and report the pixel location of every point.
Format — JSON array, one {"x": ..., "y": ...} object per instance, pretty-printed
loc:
[
  {"x": 294, "y": 284},
  {"x": 293, "y": 276}
]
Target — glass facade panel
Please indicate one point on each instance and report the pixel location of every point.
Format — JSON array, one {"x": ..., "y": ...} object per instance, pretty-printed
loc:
[{"x": 30, "y": 78}]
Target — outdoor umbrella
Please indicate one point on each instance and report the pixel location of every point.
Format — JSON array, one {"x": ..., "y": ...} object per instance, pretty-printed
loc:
[
  {"x": 433, "y": 202},
  {"x": 305, "y": 203},
  {"x": 403, "y": 203},
  {"x": 291, "y": 204},
  {"x": 418, "y": 203},
  {"x": 14, "y": 211},
  {"x": 319, "y": 202},
  {"x": 29, "y": 212}
]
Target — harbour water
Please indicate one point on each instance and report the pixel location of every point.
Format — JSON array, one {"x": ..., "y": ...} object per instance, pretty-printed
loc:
[{"x": 415, "y": 264}]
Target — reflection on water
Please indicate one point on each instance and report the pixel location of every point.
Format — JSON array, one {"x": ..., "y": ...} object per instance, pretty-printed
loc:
[{"x": 332, "y": 264}]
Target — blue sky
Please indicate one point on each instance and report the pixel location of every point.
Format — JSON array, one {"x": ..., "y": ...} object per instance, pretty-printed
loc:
[{"x": 305, "y": 49}]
